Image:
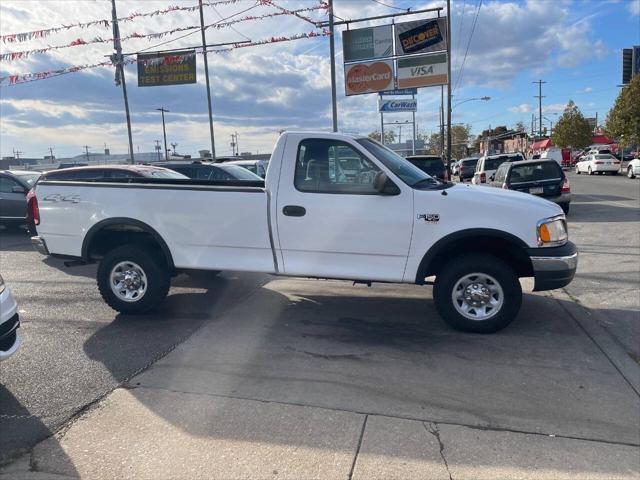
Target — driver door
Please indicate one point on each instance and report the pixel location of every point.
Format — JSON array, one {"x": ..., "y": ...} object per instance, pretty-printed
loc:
[{"x": 332, "y": 222}]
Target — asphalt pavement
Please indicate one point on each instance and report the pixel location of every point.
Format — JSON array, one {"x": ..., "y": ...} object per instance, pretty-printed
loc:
[{"x": 350, "y": 371}]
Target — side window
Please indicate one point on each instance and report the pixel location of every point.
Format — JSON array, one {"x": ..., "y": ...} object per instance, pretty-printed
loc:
[
  {"x": 203, "y": 173},
  {"x": 332, "y": 166},
  {"x": 7, "y": 184},
  {"x": 90, "y": 175},
  {"x": 120, "y": 174},
  {"x": 219, "y": 174},
  {"x": 501, "y": 174}
]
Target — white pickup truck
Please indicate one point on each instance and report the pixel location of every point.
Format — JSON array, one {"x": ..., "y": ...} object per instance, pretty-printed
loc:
[{"x": 380, "y": 220}]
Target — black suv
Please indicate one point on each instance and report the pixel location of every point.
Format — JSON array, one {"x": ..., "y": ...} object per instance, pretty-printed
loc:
[{"x": 431, "y": 165}]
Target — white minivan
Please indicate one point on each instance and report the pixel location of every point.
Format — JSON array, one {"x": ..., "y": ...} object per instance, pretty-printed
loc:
[{"x": 487, "y": 166}]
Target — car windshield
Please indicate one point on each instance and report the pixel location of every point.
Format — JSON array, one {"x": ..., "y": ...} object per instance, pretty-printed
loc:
[
  {"x": 534, "y": 172},
  {"x": 162, "y": 174},
  {"x": 492, "y": 163},
  {"x": 239, "y": 172},
  {"x": 401, "y": 167},
  {"x": 29, "y": 178}
]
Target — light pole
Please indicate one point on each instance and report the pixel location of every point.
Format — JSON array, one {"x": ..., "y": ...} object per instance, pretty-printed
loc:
[
  {"x": 164, "y": 132},
  {"x": 484, "y": 99}
]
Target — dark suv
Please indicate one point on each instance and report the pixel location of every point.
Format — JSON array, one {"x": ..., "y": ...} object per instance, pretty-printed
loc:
[
  {"x": 208, "y": 171},
  {"x": 467, "y": 167},
  {"x": 431, "y": 165}
]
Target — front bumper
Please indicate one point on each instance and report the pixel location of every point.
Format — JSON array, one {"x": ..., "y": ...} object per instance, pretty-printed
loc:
[
  {"x": 9, "y": 324},
  {"x": 40, "y": 245},
  {"x": 553, "y": 267}
]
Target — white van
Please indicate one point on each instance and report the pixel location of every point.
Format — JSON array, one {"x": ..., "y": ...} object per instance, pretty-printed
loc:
[{"x": 552, "y": 154}]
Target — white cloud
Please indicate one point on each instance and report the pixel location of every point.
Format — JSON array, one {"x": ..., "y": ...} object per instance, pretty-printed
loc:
[
  {"x": 522, "y": 108},
  {"x": 554, "y": 108},
  {"x": 634, "y": 7},
  {"x": 588, "y": 90}
]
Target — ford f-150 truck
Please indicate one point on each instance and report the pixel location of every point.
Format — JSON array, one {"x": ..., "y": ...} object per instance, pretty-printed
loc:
[{"x": 379, "y": 220}]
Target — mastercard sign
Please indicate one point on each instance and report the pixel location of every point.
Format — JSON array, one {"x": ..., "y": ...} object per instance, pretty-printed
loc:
[{"x": 368, "y": 77}]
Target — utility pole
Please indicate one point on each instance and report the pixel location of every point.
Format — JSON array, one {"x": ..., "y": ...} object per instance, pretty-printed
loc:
[
  {"x": 206, "y": 74},
  {"x": 442, "y": 121},
  {"x": 16, "y": 154},
  {"x": 86, "y": 149},
  {"x": 164, "y": 132},
  {"x": 449, "y": 86},
  {"x": 233, "y": 145},
  {"x": 332, "y": 51},
  {"x": 539, "y": 97},
  {"x": 117, "y": 59},
  {"x": 51, "y": 152}
]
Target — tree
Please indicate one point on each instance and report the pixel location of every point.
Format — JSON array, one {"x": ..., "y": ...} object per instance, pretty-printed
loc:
[
  {"x": 572, "y": 129},
  {"x": 389, "y": 136},
  {"x": 519, "y": 127},
  {"x": 623, "y": 120}
]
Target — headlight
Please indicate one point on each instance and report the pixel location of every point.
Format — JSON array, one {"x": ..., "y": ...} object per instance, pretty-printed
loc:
[
  {"x": 1, "y": 284},
  {"x": 552, "y": 231}
]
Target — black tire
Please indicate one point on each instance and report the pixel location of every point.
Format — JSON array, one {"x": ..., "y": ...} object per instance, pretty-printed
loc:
[
  {"x": 457, "y": 268},
  {"x": 565, "y": 208},
  {"x": 578, "y": 172},
  {"x": 590, "y": 171},
  {"x": 614, "y": 173},
  {"x": 630, "y": 173},
  {"x": 153, "y": 266}
]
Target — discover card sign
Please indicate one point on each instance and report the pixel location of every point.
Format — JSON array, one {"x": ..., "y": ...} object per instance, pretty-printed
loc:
[{"x": 368, "y": 77}]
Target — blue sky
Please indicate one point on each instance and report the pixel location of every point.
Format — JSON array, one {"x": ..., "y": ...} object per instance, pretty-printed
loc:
[{"x": 575, "y": 46}]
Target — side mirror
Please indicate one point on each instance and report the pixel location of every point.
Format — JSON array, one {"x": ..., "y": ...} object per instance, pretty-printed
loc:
[
  {"x": 384, "y": 185},
  {"x": 18, "y": 189}
]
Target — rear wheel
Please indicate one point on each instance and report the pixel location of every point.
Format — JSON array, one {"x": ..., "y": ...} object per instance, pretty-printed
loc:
[
  {"x": 132, "y": 279},
  {"x": 630, "y": 173},
  {"x": 477, "y": 293},
  {"x": 590, "y": 171}
]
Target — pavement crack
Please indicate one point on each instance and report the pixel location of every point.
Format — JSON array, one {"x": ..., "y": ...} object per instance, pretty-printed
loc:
[
  {"x": 433, "y": 430},
  {"x": 355, "y": 457}
]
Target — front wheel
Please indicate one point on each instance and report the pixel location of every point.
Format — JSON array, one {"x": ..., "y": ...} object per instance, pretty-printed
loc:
[
  {"x": 132, "y": 279},
  {"x": 590, "y": 171},
  {"x": 630, "y": 173},
  {"x": 477, "y": 293},
  {"x": 578, "y": 172}
]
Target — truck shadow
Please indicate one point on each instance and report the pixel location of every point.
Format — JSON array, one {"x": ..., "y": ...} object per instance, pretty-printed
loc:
[{"x": 376, "y": 351}]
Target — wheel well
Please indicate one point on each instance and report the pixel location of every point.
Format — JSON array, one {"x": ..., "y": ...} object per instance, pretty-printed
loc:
[
  {"x": 506, "y": 250},
  {"x": 105, "y": 237}
]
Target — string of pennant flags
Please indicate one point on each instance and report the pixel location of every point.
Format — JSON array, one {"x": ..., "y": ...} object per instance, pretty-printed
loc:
[
  {"x": 105, "y": 23},
  {"x": 10, "y": 80},
  {"x": 12, "y": 56}
]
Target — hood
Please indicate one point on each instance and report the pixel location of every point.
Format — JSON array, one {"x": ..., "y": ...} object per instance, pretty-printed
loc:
[{"x": 503, "y": 199}]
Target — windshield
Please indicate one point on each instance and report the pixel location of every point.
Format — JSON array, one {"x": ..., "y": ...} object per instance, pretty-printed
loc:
[
  {"x": 535, "y": 172},
  {"x": 240, "y": 173},
  {"x": 401, "y": 167},
  {"x": 29, "y": 178},
  {"x": 162, "y": 174},
  {"x": 603, "y": 157}
]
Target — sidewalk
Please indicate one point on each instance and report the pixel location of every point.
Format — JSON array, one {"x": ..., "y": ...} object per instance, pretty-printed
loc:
[
  {"x": 130, "y": 436},
  {"x": 303, "y": 381}
]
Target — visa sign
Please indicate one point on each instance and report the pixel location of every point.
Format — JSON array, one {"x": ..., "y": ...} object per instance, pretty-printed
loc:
[{"x": 389, "y": 106}]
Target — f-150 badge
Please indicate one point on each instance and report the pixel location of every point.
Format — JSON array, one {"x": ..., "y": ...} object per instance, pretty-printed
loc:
[
  {"x": 56, "y": 197},
  {"x": 429, "y": 217}
]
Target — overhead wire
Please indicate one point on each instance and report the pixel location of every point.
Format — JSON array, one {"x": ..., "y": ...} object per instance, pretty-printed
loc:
[
  {"x": 392, "y": 6},
  {"x": 473, "y": 29}
]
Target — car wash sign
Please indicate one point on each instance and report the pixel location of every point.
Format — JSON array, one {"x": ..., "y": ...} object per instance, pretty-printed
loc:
[
  {"x": 172, "y": 68},
  {"x": 396, "y": 105}
]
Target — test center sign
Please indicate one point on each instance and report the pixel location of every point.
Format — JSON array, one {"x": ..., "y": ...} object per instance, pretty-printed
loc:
[{"x": 174, "y": 68}]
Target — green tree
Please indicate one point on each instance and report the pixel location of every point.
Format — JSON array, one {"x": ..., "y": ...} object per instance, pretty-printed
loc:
[
  {"x": 389, "y": 136},
  {"x": 519, "y": 127},
  {"x": 572, "y": 129},
  {"x": 623, "y": 120}
]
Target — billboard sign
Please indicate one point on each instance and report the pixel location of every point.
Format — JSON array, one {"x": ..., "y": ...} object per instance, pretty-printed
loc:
[
  {"x": 173, "y": 68},
  {"x": 396, "y": 105},
  {"x": 404, "y": 91},
  {"x": 421, "y": 36},
  {"x": 422, "y": 70},
  {"x": 367, "y": 43},
  {"x": 368, "y": 77}
]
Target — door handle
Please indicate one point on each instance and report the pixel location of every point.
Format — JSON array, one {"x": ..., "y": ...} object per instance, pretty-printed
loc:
[{"x": 294, "y": 211}]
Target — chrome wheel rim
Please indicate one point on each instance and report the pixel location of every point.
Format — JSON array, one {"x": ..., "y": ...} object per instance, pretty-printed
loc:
[
  {"x": 128, "y": 281},
  {"x": 477, "y": 296}
]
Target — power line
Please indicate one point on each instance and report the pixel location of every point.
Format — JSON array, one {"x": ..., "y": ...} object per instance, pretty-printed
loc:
[
  {"x": 473, "y": 29},
  {"x": 231, "y": 26},
  {"x": 464, "y": 6},
  {"x": 391, "y": 6}
]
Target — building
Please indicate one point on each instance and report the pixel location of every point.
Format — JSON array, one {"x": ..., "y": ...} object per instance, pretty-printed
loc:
[{"x": 508, "y": 142}]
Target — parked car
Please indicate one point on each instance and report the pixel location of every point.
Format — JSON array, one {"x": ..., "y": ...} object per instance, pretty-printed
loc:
[
  {"x": 543, "y": 178},
  {"x": 467, "y": 167},
  {"x": 209, "y": 171},
  {"x": 598, "y": 163},
  {"x": 488, "y": 165},
  {"x": 455, "y": 168},
  {"x": 14, "y": 186},
  {"x": 432, "y": 165},
  {"x": 259, "y": 167},
  {"x": 633, "y": 169},
  {"x": 110, "y": 172},
  {"x": 9, "y": 322},
  {"x": 395, "y": 223}
]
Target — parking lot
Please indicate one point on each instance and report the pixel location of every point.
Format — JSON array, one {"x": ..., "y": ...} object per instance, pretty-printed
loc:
[{"x": 281, "y": 377}]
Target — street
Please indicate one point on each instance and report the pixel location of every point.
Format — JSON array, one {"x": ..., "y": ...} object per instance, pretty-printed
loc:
[{"x": 298, "y": 378}]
